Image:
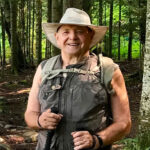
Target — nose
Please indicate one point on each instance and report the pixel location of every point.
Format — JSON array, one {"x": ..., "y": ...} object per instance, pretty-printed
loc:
[{"x": 73, "y": 35}]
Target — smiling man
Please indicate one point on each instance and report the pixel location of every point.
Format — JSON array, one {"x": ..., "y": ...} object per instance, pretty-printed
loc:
[
  {"x": 89, "y": 93},
  {"x": 74, "y": 42}
]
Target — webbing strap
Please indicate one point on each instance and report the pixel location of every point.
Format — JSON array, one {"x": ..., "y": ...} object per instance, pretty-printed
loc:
[
  {"x": 53, "y": 73},
  {"x": 48, "y": 66},
  {"x": 101, "y": 68}
]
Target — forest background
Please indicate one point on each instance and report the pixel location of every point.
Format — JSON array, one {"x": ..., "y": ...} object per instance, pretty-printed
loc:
[{"x": 23, "y": 45}]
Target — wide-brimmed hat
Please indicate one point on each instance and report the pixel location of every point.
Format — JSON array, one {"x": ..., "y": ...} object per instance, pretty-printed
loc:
[{"x": 74, "y": 16}]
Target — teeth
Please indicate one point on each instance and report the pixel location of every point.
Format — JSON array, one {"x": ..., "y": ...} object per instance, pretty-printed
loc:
[{"x": 73, "y": 44}]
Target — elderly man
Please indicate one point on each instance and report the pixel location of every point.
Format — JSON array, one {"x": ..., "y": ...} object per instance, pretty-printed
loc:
[{"x": 89, "y": 93}]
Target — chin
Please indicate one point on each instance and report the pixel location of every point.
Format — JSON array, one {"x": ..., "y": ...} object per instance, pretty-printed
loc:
[{"x": 72, "y": 52}]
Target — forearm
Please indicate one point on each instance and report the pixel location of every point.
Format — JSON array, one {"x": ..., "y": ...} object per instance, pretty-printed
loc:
[
  {"x": 115, "y": 132},
  {"x": 31, "y": 119}
]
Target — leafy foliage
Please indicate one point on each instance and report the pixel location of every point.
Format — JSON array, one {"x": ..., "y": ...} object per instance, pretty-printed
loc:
[{"x": 141, "y": 142}]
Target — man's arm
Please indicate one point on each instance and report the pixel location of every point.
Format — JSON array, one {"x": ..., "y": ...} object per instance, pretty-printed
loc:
[
  {"x": 120, "y": 110},
  {"x": 47, "y": 119},
  {"x": 33, "y": 106}
]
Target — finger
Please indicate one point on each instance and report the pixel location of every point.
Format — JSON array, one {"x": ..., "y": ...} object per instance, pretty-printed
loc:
[
  {"x": 79, "y": 133},
  {"x": 48, "y": 110},
  {"x": 51, "y": 127},
  {"x": 78, "y": 139},
  {"x": 53, "y": 115},
  {"x": 49, "y": 120},
  {"x": 51, "y": 123},
  {"x": 60, "y": 115},
  {"x": 79, "y": 147},
  {"x": 79, "y": 142}
]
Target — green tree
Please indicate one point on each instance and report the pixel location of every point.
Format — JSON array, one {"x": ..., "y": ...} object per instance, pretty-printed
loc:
[
  {"x": 38, "y": 30},
  {"x": 77, "y": 4},
  {"x": 3, "y": 37},
  {"x": 9, "y": 22},
  {"x": 119, "y": 28},
  {"x": 49, "y": 18},
  {"x": 145, "y": 98},
  {"x": 13, "y": 17},
  {"x": 100, "y": 12},
  {"x": 110, "y": 27},
  {"x": 56, "y": 16},
  {"x": 130, "y": 32},
  {"x": 33, "y": 20}
]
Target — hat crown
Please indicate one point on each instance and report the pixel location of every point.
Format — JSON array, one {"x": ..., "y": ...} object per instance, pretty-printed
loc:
[{"x": 75, "y": 16}]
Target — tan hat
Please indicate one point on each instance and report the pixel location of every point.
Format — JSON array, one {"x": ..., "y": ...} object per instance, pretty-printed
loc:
[{"x": 78, "y": 17}]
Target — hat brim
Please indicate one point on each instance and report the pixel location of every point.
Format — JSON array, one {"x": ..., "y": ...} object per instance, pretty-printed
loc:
[{"x": 51, "y": 28}]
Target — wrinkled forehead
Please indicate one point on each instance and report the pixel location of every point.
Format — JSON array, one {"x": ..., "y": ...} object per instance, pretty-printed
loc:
[{"x": 66, "y": 26}]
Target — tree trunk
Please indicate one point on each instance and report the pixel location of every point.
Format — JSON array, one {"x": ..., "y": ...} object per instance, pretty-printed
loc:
[
  {"x": 110, "y": 28},
  {"x": 78, "y": 4},
  {"x": 142, "y": 26},
  {"x": 87, "y": 7},
  {"x": 29, "y": 29},
  {"x": 20, "y": 56},
  {"x": 105, "y": 38},
  {"x": 22, "y": 5},
  {"x": 1, "y": 59},
  {"x": 142, "y": 20},
  {"x": 145, "y": 98},
  {"x": 14, "y": 52},
  {"x": 74, "y": 3},
  {"x": 33, "y": 20},
  {"x": 66, "y": 4},
  {"x": 119, "y": 30},
  {"x": 49, "y": 18},
  {"x": 56, "y": 16},
  {"x": 100, "y": 12},
  {"x": 130, "y": 39},
  {"x": 22, "y": 28},
  {"x": 3, "y": 37},
  {"x": 38, "y": 30}
]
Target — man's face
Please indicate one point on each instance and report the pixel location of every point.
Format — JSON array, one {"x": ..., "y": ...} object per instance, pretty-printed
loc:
[{"x": 74, "y": 40}]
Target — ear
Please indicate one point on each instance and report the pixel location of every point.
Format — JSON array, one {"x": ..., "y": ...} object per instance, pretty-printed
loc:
[{"x": 56, "y": 36}]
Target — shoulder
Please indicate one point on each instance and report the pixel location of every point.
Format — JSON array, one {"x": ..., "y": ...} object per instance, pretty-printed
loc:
[
  {"x": 118, "y": 78},
  {"x": 108, "y": 67},
  {"x": 43, "y": 63},
  {"x": 109, "y": 63},
  {"x": 49, "y": 62}
]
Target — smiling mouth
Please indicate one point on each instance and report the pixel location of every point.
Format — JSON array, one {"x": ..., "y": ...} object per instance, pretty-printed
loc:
[{"x": 73, "y": 44}]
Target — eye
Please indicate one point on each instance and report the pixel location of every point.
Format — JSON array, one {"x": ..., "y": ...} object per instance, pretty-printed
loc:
[
  {"x": 66, "y": 32},
  {"x": 79, "y": 31}
]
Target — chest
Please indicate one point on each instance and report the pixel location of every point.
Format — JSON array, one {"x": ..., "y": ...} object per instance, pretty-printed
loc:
[{"x": 75, "y": 95}]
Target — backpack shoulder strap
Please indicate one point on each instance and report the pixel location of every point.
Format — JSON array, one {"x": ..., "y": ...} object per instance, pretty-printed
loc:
[
  {"x": 48, "y": 67},
  {"x": 107, "y": 67}
]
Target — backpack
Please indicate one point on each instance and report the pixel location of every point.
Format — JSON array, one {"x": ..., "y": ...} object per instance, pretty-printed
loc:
[{"x": 106, "y": 65}]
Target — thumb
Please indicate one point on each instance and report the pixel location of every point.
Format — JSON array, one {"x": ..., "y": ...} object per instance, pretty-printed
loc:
[{"x": 48, "y": 110}]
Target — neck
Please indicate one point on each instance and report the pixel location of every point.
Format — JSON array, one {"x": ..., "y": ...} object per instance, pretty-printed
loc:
[{"x": 73, "y": 59}]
